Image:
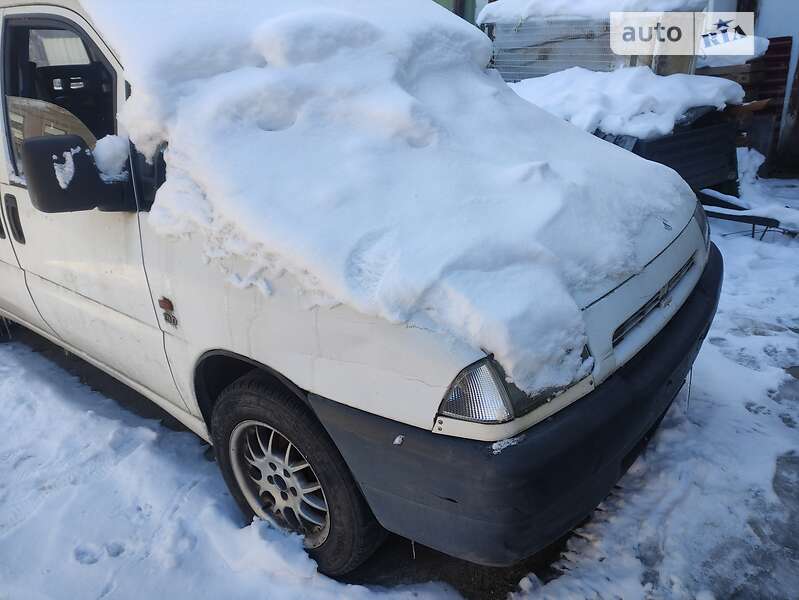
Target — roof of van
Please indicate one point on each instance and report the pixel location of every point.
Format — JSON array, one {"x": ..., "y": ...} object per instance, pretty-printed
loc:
[{"x": 72, "y": 5}]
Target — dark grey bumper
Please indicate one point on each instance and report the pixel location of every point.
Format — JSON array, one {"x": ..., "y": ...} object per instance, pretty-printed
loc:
[{"x": 457, "y": 496}]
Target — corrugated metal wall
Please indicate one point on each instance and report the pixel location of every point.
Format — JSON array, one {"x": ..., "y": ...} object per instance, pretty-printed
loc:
[{"x": 542, "y": 46}]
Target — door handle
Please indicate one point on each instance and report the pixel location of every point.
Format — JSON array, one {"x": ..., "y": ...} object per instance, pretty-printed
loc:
[
  {"x": 12, "y": 214},
  {"x": 2, "y": 230}
]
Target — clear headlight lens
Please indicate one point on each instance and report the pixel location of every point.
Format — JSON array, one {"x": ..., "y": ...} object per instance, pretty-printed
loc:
[
  {"x": 704, "y": 225},
  {"x": 481, "y": 394},
  {"x": 478, "y": 394}
]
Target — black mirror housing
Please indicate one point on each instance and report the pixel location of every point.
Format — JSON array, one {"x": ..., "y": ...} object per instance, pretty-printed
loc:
[{"x": 79, "y": 187}]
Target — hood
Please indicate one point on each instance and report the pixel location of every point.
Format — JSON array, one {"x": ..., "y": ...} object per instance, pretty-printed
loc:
[{"x": 655, "y": 236}]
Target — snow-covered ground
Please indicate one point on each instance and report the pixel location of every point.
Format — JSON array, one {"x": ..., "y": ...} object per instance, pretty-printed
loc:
[
  {"x": 775, "y": 199},
  {"x": 98, "y": 502}
]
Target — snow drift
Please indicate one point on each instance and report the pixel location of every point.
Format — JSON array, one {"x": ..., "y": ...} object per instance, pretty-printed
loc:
[
  {"x": 632, "y": 101},
  {"x": 367, "y": 152},
  {"x": 760, "y": 200}
]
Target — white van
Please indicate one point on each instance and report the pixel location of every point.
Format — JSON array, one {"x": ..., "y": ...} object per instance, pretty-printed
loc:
[{"x": 333, "y": 424}]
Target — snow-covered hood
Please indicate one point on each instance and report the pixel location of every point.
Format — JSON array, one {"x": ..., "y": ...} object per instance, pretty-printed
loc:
[{"x": 366, "y": 151}]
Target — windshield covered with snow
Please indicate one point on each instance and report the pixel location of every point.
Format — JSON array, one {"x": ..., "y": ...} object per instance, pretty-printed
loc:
[{"x": 362, "y": 147}]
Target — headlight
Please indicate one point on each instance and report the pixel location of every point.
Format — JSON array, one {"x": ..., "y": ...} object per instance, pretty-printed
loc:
[
  {"x": 704, "y": 225},
  {"x": 481, "y": 394},
  {"x": 478, "y": 394}
]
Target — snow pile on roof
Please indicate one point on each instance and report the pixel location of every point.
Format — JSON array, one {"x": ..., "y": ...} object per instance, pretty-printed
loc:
[
  {"x": 367, "y": 152},
  {"x": 633, "y": 101},
  {"x": 515, "y": 11}
]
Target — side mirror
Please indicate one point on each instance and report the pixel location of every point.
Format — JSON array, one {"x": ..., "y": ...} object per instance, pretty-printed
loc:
[{"x": 63, "y": 177}]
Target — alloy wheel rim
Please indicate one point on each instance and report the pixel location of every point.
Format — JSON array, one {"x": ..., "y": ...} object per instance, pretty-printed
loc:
[{"x": 278, "y": 481}]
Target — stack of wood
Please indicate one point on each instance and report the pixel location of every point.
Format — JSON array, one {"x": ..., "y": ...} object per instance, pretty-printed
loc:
[{"x": 765, "y": 81}]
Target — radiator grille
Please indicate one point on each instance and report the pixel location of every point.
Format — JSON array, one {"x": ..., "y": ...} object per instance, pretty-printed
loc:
[{"x": 657, "y": 300}]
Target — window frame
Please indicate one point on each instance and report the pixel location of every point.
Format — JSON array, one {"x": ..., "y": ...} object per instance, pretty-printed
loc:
[{"x": 45, "y": 21}]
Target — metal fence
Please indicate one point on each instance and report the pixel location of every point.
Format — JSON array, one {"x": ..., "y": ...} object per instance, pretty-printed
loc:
[{"x": 539, "y": 47}]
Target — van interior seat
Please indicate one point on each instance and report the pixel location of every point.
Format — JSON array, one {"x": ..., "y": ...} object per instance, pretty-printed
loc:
[{"x": 80, "y": 89}]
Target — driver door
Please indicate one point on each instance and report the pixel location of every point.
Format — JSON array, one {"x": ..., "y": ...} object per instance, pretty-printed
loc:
[
  {"x": 15, "y": 300},
  {"x": 84, "y": 269}
]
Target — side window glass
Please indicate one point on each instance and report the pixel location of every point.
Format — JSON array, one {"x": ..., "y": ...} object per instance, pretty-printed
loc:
[
  {"x": 55, "y": 84},
  {"x": 56, "y": 48}
]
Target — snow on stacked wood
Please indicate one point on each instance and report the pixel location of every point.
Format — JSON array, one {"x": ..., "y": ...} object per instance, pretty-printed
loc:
[
  {"x": 632, "y": 101},
  {"x": 367, "y": 152}
]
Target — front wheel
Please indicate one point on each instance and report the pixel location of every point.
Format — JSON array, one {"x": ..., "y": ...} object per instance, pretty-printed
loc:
[{"x": 281, "y": 466}]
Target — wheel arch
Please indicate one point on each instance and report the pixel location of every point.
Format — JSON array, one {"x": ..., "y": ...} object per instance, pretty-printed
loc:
[{"x": 217, "y": 369}]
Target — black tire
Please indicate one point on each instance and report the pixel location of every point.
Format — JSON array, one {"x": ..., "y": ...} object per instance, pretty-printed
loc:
[{"x": 354, "y": 534}]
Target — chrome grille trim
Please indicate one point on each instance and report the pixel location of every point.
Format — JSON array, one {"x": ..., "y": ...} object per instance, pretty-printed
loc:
[{"x": 659, "y": 299}]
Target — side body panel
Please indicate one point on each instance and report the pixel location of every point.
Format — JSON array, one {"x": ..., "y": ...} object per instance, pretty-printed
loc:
[
  {"x": 15, "y": 300},
  {"x": 400, "y": 373}
]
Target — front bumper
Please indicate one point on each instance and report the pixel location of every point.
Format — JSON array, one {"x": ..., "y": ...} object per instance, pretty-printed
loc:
[{"x": 467, "y": 499}]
